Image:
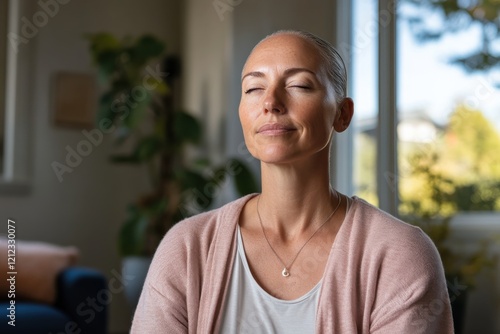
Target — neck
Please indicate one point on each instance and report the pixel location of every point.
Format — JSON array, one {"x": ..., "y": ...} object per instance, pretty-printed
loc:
[{"x": 295, "y": 198}]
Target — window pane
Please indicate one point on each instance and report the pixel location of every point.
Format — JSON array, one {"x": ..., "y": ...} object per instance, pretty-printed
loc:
[
  {"x": 449, "y": 119},
  {"x": 364, "y": 93}
]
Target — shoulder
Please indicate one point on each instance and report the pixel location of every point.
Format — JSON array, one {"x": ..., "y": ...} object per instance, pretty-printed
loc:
[
  {"x": 382, "y": 226},
  {"x": 187, "y": 244},
  {"x": 373, "y": 217},
  {"x": 401, "y": 267},
  {"x": 392, "y": 241},
  {"x": 205, "y": 225}
]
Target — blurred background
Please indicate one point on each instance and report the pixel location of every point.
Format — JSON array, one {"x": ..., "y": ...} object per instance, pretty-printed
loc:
[{"x": 119, "y": 117}]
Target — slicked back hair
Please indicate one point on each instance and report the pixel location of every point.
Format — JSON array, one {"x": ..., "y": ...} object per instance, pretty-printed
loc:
[{"x": 335, "y": 66}]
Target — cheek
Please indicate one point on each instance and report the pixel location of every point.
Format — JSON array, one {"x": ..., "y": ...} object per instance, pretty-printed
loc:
[
  {"x": 247, "y": 114},
  {"x": 247, "y": 119},
  {"x": 329, "y": 113},
  {"x": 248, "y": 140},
  {"x": 243, "y": 115},
  {"x": 320, "y": 117},
  {"x": 320, "y": 131},
  {"x": 319, "y": 125},
  {"x": 246, "y": 122}
]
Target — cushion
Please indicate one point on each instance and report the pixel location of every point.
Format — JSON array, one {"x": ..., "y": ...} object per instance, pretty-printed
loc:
[
  {"x": 37, "y": 265},
  {"x": 35, "y": 318}
]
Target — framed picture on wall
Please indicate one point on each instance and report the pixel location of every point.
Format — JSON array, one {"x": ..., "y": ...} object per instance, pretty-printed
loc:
[{"x": 74, "y": 100}]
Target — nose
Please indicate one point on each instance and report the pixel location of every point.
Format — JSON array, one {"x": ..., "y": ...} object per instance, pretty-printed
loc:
[{"x": 273, "y": 101}]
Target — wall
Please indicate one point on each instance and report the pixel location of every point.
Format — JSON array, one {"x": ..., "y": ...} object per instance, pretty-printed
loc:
[
  {"x": 87, "y": 208},
  {"x": 206, "y": 64}
]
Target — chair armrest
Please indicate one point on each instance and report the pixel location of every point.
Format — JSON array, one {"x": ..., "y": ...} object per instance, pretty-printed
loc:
[{"x": 82, "y": 293}]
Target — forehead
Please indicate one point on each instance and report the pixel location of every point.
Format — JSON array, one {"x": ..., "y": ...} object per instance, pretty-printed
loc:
[{"x": 283, "y": 51}]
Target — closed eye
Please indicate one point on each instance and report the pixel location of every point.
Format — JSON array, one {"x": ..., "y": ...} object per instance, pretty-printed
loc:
[
  {"x": 301, "y": 87},
  {"x": 248, "y": 91}
]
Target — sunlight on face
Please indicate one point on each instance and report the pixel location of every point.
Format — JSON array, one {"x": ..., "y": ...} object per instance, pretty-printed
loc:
[{"x": 287, "y": 107}]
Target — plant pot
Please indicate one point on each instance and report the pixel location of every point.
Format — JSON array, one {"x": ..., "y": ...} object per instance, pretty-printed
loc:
[{"x": 135, "y": 267}]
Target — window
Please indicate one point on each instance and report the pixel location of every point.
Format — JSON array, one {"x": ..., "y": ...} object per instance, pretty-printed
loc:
[
  {"x": 3, "y": 56},
  {"x": 363, "y": 90},
  {"x": 373, "y": 88},
  {"x": 409, "y": 92},
  {"x": 449, "y": 125}
]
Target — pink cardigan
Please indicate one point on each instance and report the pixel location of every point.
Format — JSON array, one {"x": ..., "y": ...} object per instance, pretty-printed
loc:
[{"x": 382, "y": 276}]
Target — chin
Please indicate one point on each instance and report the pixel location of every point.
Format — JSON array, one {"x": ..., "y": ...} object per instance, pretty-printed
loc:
[
  {"x": 277, "y": 158},
  {"x": 282, "y": 155}
]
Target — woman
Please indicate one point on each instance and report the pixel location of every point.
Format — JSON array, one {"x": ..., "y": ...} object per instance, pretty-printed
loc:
[{"x": 300, "y": 257}]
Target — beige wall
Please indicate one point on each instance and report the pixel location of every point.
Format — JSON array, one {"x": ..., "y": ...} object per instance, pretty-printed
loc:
[
  {"x": 88, "y": 207},
  {"x": 206, "y": 62}
]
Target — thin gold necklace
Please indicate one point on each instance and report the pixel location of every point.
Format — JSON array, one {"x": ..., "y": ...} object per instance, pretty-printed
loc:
[{"x": 286, "y": 269}]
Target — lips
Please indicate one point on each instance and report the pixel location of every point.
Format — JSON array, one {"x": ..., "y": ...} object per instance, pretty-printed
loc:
[{"x": 275, "y": 129}]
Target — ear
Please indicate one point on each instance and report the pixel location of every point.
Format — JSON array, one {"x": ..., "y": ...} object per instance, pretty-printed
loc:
[{"x": 344, "y": 115}]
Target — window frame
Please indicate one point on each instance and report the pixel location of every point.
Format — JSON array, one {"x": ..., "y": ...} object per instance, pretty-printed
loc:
[
  {"x": 387, "y": 137},
  {"x": 342, "y": 147},
  {"x": 3, "y": 68},
  {"x": 15, "y": 178}
]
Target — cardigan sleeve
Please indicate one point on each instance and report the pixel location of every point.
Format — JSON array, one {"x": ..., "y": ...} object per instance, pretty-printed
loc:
[
  {"x": 185, "y": 286},
  {"x": 412, "y": 296},
  {"x": 163, "y": 305},
  {"x": 157, "y": 313}
]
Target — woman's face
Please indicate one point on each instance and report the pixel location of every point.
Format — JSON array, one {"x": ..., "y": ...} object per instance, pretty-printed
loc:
[{"x": 287, "y": 108}]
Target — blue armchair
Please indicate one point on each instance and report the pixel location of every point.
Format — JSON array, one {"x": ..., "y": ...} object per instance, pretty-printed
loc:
[{"x": 81, "y": 307}]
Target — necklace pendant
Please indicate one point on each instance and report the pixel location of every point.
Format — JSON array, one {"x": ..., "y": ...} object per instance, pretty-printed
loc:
[{"x": 285, "y": 272}]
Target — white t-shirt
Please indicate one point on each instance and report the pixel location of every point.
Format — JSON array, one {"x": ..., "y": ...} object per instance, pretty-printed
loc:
[{"x": 250, "y": 309}]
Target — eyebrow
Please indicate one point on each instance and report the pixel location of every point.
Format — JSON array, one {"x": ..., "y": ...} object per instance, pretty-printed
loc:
[{"x": 289, "y": 71}]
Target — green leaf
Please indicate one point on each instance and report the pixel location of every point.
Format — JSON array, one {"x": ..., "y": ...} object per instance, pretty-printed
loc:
[
  {"x": 150, "y": 46},
  {"x": 105, "y": 50},
  {"x": 196, "y": 196},
  {"x": 190, "y": 179},
  {"x": 158, "y": 207},
  {"x": 186, "y": 128},
  {"x": 160, "y": 87},
  {"x": 107, "y": 63},
  {"x": 202, "y": 162},
  {"x": 105, "y": 115},
  {"x": 159, "y": 125},
  {"x": 148, "y": 148},
  {"x": 102, "y": 42},
  {"x": 145, "y": 48},
  {"x": 132, "y": 235},
  {"x": 243, "y": 177},
  {"x": 138, "y": 101}
]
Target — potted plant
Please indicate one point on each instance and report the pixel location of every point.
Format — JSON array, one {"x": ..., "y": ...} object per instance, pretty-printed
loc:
[{"x": 138, "y": 101}]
